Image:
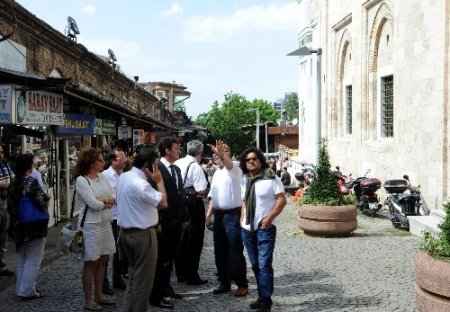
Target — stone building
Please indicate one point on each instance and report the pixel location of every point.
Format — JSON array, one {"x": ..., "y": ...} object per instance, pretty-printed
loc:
[{"x": 383, "y": 85}]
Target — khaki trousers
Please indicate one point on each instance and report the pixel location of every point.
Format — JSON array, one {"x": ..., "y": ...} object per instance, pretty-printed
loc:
[{"x": 141, "y": 250}]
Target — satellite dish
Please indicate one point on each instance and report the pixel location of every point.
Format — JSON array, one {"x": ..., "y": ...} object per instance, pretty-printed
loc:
[
  {"x": 295, "y": 121},
  {"x": 111, "y": 55},
  {"x": 73, "y": 25}
]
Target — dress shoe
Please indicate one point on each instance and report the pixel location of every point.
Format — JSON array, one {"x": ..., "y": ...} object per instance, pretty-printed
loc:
[
  {"x": 119, "y": 285},
  {"x": 6, "y": 272},
  {"x": 174, "y": 295},
  {"x": 197, "y": 282},
  {"x": 255, "y": 304},
  {"x": 241, "y": 292},
  {"x": 162, "y": 304},
  {"x": 222, "y": 288}
]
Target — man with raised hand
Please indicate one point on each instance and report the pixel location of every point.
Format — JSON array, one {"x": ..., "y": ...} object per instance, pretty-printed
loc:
[{"x": 225, "y": 203}]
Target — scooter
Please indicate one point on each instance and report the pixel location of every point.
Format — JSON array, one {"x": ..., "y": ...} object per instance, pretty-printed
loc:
[
  {"x": 404, "y": 200},
  {"x": 367, "y": 200}
]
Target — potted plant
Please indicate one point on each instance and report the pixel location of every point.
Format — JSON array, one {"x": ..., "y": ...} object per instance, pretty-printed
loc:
[
  {"x": 324, "y": 210},
  {"x": 432, "y": 269}
]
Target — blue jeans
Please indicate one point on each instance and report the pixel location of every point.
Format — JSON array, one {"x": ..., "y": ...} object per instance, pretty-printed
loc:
[
  {"x": 228, "y": 248},
  {"x": 260, "y": 245}
]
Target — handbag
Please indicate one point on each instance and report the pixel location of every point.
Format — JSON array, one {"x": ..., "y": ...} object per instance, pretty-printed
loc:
[
  {"x": 71, "y": 237},
  {"x": 29, "y": 211}
]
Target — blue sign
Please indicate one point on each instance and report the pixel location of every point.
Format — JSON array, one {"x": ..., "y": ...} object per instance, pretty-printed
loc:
[{"x": 77, "y": 124}]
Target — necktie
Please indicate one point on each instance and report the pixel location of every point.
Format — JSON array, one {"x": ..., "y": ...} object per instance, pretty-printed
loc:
[{"x": 173, "y": 173}]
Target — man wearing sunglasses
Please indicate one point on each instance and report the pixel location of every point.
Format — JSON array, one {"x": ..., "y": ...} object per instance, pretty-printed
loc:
[{"x": 264, "y": 200}]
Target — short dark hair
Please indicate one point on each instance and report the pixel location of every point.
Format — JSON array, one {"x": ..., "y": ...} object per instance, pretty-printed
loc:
[
  {"x": 112, "y": 156},
  {"x": 146, "y": 155},
  {"x": 23, "y": 163},
  {"x": 258, "y": 153},
  {"x": 166, "y": 143}
]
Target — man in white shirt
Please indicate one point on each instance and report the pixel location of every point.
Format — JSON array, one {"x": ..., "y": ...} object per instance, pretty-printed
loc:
[
  {"x": 137, "y": 216},
  {"x": 195, "y": 185},
  {"x": 117, "y": 161},
  {"x": 264, "y": 200},
  {"x": 226, "y": 205}
]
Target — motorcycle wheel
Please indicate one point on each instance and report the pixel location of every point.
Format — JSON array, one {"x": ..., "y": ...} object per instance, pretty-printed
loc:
[{"x": 373, "y": 213}]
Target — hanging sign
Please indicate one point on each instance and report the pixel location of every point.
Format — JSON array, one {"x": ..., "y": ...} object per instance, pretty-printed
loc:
[
  {"x": 109, "y": 127},
  {"x": 124, "y": 132},
  {"x": 5, "y": 104},
  {"x": 77, "y": 124},
  {"x": 97, "y": 126},
  {"x": 39, "y": 108}
]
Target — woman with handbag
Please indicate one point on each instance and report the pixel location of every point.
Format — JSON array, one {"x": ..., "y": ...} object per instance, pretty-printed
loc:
[
  {"x": 27, "y": 205},
  {"x": 96, "y": 197}
]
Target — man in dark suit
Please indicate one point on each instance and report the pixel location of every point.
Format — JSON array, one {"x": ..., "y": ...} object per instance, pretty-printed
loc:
[{"x": 171, "y": 221}]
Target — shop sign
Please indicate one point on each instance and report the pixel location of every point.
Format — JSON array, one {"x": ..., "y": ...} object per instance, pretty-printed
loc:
[
  {"x": 5, "y": 104},
  {"x": 109, "y": 127},
  {"x": 138, "y": 137},
  {"x": 39, "y": 108},
  {"x": 98, "y": 126},
  {"x": 124, "y": 132},
  {"x": 77, "y": 124}
]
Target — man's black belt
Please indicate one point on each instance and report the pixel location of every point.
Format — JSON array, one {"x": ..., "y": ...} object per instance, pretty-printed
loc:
[
  {"x": 226, "y": 211},
  {"x": 129, "y": 230}
]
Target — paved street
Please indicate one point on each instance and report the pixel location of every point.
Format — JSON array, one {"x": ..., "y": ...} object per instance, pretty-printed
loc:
[{"x": 370, "y": 271}]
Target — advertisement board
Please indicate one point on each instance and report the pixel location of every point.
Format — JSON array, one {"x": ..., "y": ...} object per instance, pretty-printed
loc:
[
  {"x": 39, "y": 108},
  {"x": 5, "y": 104}
]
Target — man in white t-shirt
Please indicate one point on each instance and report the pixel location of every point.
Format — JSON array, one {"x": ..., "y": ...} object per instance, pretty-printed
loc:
[
  {"x": 137, "y": 216},
  {"x": 117, "y": 161},
  {"x": 226, "y": 203},
  {"x": 264, "y": 200}
]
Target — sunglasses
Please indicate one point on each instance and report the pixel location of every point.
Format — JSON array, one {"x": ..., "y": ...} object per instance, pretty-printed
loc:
[{"x": 252, "y": 158}]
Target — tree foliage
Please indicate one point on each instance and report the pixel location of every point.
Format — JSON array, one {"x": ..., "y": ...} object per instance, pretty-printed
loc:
[
  {"x": 291, "y": 105},
  {"x": 179, "y": 107},
  {"x": 324, "y": 189},
  {"x": 225, "y": 121}
]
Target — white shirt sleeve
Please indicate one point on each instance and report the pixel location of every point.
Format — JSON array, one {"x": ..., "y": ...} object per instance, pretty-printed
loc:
[{"x": 84, "y": 191}]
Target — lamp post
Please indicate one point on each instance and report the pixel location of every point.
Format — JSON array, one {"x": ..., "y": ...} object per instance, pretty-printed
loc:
[
  {"x": 257, "y": 123},
  {"x": 303, "y": 51}
]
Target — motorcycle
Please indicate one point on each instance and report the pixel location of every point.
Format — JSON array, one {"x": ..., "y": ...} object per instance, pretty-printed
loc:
[
  {"x": 345, "y": 183},
  {"x": 367, "y": 200},
  {"x": 404, "y": 200}
]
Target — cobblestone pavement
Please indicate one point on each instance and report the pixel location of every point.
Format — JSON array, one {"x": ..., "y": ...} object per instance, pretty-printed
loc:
[{"x": 372, "y": 270}]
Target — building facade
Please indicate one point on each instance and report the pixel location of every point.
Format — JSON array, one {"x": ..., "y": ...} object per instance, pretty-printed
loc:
[{"x": 383, "y": 88}]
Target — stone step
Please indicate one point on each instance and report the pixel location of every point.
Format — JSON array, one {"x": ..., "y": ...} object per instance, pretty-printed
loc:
[{"x": 419, "y": 224}]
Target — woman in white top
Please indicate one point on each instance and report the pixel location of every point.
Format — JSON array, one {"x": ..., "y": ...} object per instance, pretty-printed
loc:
[{"x": 96, "y": 197}]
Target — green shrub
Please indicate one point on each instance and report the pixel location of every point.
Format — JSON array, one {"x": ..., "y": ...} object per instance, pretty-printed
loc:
[
  {"x": 324, "y": 190},
  {"x": 438, "y": 247}
]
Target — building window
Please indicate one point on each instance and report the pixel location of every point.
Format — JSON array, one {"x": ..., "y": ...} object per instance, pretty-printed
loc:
[
  {"x": 387, "y": 106},
  {"x": 348, "y": 109}
]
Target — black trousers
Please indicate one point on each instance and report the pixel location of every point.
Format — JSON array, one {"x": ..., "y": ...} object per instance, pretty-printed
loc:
[
  {"x": 168, "y": 242},
  {"x": 191, "y": 245},
  {"x": 120, "y": 267}
]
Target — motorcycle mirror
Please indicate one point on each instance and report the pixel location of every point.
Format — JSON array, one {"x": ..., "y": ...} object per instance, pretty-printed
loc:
[
  {"x": 406, "y": 177},
  {"x": 337, "y": 168},
  {"x": 350, "y": 175}
]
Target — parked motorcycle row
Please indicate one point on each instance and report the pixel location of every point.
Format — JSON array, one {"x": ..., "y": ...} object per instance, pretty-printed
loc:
[{"x": 403, "y": 199}]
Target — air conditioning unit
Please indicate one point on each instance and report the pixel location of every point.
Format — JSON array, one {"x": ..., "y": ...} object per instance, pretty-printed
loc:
[{"x": 161, "y": 94}]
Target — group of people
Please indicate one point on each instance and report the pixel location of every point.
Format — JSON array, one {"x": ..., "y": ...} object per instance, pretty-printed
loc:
[{"x": 152, "y": 219}]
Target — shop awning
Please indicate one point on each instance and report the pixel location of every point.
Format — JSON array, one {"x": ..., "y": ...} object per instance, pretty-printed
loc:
[{"x": 30, "y": 80}]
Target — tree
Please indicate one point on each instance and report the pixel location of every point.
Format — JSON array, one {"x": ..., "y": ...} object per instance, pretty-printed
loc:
[
  {"x": 225, "y": 121},
  {"x": 179, "y": 107},
  {"x": 291, "y": 105}
]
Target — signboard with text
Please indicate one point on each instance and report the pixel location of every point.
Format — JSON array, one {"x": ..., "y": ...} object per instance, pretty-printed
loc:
[
  {"x": 39, "y": 108},
  {"x": 97, "y": 126},
  {"x": 109, "y": 127},
  {"x": 5, "y": 104},
  {"x": 77, "y": 124}
]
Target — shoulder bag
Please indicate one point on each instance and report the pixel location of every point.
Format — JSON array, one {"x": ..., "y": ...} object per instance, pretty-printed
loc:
[{"x": 29, "y": 211}]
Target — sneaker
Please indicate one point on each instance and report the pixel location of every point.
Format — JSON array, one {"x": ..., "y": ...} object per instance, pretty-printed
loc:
[
  {"x": 222, "y": 288},
  {"x": 241, "y": 292}
]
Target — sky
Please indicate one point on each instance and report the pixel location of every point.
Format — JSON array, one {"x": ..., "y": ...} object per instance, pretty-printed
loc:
[{"x": 211, "y": 47}]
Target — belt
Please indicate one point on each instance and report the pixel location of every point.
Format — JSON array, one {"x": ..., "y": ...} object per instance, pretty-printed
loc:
[
  {"x": 130, "y": 230},
  {"x": 225, "y": 211}
]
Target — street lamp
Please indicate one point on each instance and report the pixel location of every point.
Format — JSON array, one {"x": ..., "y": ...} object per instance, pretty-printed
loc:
[
  {"x": 257, "y": 123},
  {"x": 303, "y": 51}
]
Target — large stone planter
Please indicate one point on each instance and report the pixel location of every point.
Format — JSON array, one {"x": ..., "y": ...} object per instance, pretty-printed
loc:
[
  {"x": 327, "y": 220},
  {"x": 432, "y": 284}
]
